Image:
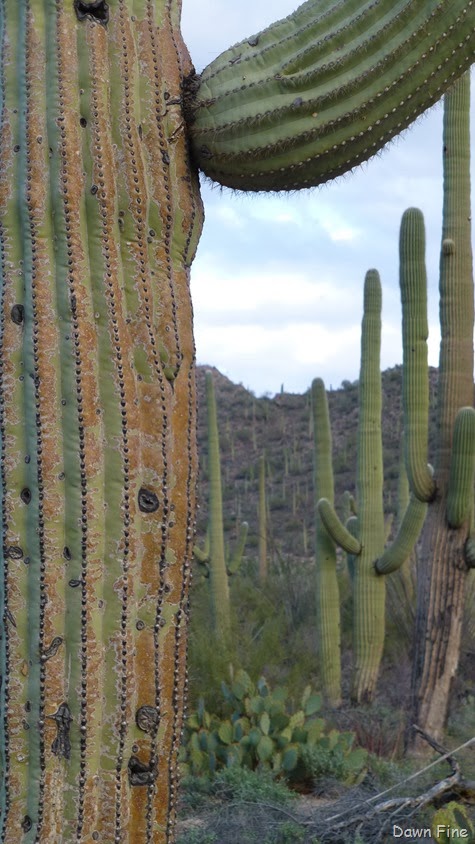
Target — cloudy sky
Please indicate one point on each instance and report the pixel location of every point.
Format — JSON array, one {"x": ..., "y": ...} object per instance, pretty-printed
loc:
[{"x": 278, "y": 280}]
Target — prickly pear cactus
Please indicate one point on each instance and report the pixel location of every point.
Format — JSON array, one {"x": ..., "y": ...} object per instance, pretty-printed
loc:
[{"x": 99, "y": 219}]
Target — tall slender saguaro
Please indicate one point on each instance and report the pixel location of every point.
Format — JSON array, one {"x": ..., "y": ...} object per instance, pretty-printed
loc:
[
  {"x": 100, "y": 215},
  {"x": 328, "y": 622}
]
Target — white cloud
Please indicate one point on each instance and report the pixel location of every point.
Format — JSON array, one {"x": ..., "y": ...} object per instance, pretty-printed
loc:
[{"x": 272, "y": 293}]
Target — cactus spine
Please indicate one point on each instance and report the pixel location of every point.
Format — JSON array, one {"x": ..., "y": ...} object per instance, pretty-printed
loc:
[
  {"x": 327, "y": 591},
  {"x": 445, "y": 547},
  {"x": 324, "y": 89}
]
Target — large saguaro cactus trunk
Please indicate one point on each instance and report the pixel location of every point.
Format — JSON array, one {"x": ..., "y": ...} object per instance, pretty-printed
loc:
[
  {"x": 99, "y": 219},
  {"x": 443, "y": 565}
]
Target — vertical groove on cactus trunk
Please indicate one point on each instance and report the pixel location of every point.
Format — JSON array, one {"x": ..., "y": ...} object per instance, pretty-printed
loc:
[{"x": 99, "y": 219}]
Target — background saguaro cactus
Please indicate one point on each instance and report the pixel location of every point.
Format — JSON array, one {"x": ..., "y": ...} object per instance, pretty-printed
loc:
[
  {"x": 213, "y": 556},
  {"x": 99, "y": 219},
  {"x": 263, "y": 562},
  {"x": 443, "y": 560},
  {"x": 365, "y": 542},
  {"x": 327, "y": 590}
]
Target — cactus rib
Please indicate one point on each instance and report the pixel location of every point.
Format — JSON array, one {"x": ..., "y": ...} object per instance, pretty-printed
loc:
[{"x": 324, "y": 89}]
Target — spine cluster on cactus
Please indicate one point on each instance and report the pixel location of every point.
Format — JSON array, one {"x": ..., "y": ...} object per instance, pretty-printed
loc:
[{"x": 321, "y": 91}]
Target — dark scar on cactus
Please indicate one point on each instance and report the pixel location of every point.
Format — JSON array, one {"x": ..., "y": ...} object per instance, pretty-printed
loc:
[
  {"x": 26, "y": 823},
  {"x": 25, "y": 495},
  {"x": 14, "y": 552},
  {"x": 53, "y": 648},
  {"x": 17, "y": 314},
  {"x": 61, "y": 745},
  {"x": 140, "y": 773},
  {"x": 147, "y": 719},
  {"x": 148, "y": 501},
  {"x": 96, "y": 11}
]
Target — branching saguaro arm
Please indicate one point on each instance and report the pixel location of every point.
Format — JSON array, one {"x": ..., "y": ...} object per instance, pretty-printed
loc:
[
  {"x": 99, "y": 218},
  {"x": 324, "y": 89}
]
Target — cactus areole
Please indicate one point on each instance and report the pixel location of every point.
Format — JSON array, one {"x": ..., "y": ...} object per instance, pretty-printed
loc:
[{"x": 100, "y": 215}]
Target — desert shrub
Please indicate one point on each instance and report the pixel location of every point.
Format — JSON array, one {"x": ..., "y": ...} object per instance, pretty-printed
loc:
[
  {"x": 334, "y": 758},
  {"x": 238, "y": 783}
]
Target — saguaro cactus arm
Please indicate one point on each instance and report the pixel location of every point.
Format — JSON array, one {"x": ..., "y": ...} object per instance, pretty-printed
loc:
[
  {"x": 400, "y": 549},
  {"x": 415, "y": 330},
  {"x": 324, "y": 89},
  {"x": 462, "y": 469},
  {"x": 336, "y": 529}
]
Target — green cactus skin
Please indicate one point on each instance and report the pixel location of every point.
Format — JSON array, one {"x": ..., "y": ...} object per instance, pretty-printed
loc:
[
  {"x": 324, "y": 89},
  {"x": 341, "y": 535},
  {"x": 442, "y": 563},
  {"x": 218, "y": 576},
  {"x": 99, "y": 218},
  {"x": 214, "y": 557},
  {"x": 462, "y": 469},
  {"x": 403, "y": 544},
  {"x": 415, "y": 330},
  {"x": 368, "y": 588},
  {"x": 234, "y": 560},
  {"x": 469, "y": 552},
  {"x": 327, "y": 590},
  {"x": 365, "y": 535},
  {"x": 353, "y": 527}
]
